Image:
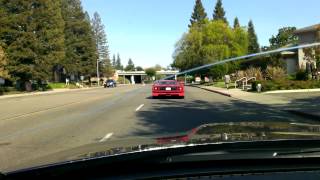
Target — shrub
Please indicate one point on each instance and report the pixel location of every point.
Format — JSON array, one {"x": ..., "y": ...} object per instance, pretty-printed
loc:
[
  {"x": 254, "y": 72},
  {"x": 120, "y": 80},
  {"x": 301, "y": 75},
  {"x": 283, "y": 84},
  {"x": 275, "y": 73}
]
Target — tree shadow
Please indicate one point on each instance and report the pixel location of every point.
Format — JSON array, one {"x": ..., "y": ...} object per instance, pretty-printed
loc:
[{"x": 170, "y": 116}]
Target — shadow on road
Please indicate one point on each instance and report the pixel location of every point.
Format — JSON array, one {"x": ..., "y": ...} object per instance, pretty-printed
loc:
[{"x": 173, "y": 116}]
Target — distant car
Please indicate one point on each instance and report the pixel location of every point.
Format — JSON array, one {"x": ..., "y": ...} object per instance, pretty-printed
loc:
[
  {"x": 167, "y": 88},
  {"x": 110, "y": 83}
]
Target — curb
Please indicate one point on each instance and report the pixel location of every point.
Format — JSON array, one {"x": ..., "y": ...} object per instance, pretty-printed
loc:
[
  {"x": 211, "y": 90},
  {"x": 304, "y": 114},
  {"x": 292, "y": 91},
  {"x": 43, "y": 93}
]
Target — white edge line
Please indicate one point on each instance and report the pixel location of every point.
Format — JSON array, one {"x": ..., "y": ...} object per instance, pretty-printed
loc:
[
  {"x": 138, "y": 108},
  {"x": 107, "y": 136}
]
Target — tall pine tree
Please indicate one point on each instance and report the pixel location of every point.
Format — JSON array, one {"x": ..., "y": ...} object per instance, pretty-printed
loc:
[
  {"x": 50, "y": 36},
  {"x": 3, "y": 64},
  {"x": 118, "y": 63},
  {"x": 33, "y": 34},
  {"x": 101, "y": 45},
  {"x": 199, "y": 15},
  {"x": 236, "y": 23},
  {"x": 130, "y": 66},
  {"x": 81, "y": 53},
  {"x": 219, "y": 13},
  {"x": 114, "y": 63},
  {"x": 253, "y": 46}
]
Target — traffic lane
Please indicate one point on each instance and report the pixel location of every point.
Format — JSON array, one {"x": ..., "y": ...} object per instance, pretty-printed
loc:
[
  {"x": 169, "y": 115},
  {"x": 64, "y": 128},
  {"x": 19, "y": 106}
]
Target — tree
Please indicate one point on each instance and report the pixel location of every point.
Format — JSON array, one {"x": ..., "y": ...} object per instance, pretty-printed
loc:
[
  {"x": 214, "y": 42},
  {"x": 199, "y": 15},
  {"x": 236, "y": 23},
  {"x": 151, "y": 72},
  {"x": 108, "y": 70},
  {"x": 130, "y": 66},
  {"x": 101, "y": 42},
  {"x": 32, "y": 46},
  {"x": 253, "y": 46},
  {"x": 3, "y": 64},
  {"x": 284, "y": 37},
  {"x": 139, "y": 68},
  {"x": 219, "y": 13},
  {"x": 158, "y": 67},
  {"x": 114, "y": 64},
  {"x": 118, "y": 63},
  {"x": 81, "y": 52}
]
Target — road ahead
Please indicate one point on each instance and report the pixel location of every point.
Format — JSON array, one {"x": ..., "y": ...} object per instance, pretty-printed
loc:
[{"x": 34, "y": 126}]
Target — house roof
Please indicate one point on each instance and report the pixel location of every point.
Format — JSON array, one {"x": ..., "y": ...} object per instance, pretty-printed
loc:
[{"x": 315, "y": 27}]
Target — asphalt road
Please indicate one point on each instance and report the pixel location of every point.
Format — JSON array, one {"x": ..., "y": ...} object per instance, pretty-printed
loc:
[{"x": 35, "y": 126}]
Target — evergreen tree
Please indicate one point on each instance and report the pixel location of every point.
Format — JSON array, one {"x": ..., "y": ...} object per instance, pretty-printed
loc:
[
  {"x": 130, "y": 66},
  {"x": 101, "y": 43},
  {"x": 114, "y": 63},
  {"x": 3, "y": 64},
  {"x": 236, "y": 23},
  {"x": 219, "y": 13},
  {"x": 50, "y": 37},
  {"x": 118, "y": 63},
  {"x": 33, "y": 34},
  {"x": 253, "y": 46},
  {"x": 199, "y": 14},
  {"x": 81, "y": 53}
]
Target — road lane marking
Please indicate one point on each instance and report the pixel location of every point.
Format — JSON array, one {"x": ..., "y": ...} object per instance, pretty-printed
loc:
[
  {"x": 106, "y": 137},
  {"x": 138, "y": 108}
]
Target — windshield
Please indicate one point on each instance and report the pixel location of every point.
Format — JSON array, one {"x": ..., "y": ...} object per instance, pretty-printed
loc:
[
  {"x": 167, "y": 82},
  {"x": 248, "y": 70}
]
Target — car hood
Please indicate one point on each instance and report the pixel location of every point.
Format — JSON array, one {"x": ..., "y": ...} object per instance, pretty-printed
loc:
[{"x": 208, "y": 133}]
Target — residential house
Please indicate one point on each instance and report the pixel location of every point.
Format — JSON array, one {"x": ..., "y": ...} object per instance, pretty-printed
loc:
[{"x": 296, "y": 60}]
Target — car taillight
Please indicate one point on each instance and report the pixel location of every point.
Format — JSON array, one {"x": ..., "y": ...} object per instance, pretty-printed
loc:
[
  {"x": 180, "y": 88},
  {"x": 155, "y": 88}
]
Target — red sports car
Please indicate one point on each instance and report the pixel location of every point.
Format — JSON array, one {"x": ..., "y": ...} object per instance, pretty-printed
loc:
[{"x": 167, "y": 88}]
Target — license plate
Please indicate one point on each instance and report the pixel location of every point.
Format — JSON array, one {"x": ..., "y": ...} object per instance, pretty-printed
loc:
[{"x": 168, "y": 89}]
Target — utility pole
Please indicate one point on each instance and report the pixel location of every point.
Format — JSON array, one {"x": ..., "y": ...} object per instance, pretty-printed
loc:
[{"x": 98, "y": 75}]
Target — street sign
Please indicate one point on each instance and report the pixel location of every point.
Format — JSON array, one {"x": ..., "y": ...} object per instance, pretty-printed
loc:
[{"x": 2, "y": 81}]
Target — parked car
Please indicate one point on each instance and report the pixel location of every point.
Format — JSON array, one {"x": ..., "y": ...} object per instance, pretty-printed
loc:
[
  {"x": 110, "y": 83},
  {"x": 167, "y": 88}
]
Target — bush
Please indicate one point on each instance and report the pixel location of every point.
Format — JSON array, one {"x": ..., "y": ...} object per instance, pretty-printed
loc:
[
  {"x": 301, "y": 75},
  {"x": 284, "y": 84},
  {"x": 275, "y": 73},
  {"x": 120, "y": 80},
  {"x": 254, "y": 72}
]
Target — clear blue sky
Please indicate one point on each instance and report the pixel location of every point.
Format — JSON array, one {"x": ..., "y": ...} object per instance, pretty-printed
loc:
[{"x": 146, "y": 30}]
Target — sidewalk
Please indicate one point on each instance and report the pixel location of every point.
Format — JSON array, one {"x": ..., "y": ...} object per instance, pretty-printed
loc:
[
  {"x": 54, "y": 91},
  {"x": 268, "y": 99},
  {"x": 258, "y": 98}
]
